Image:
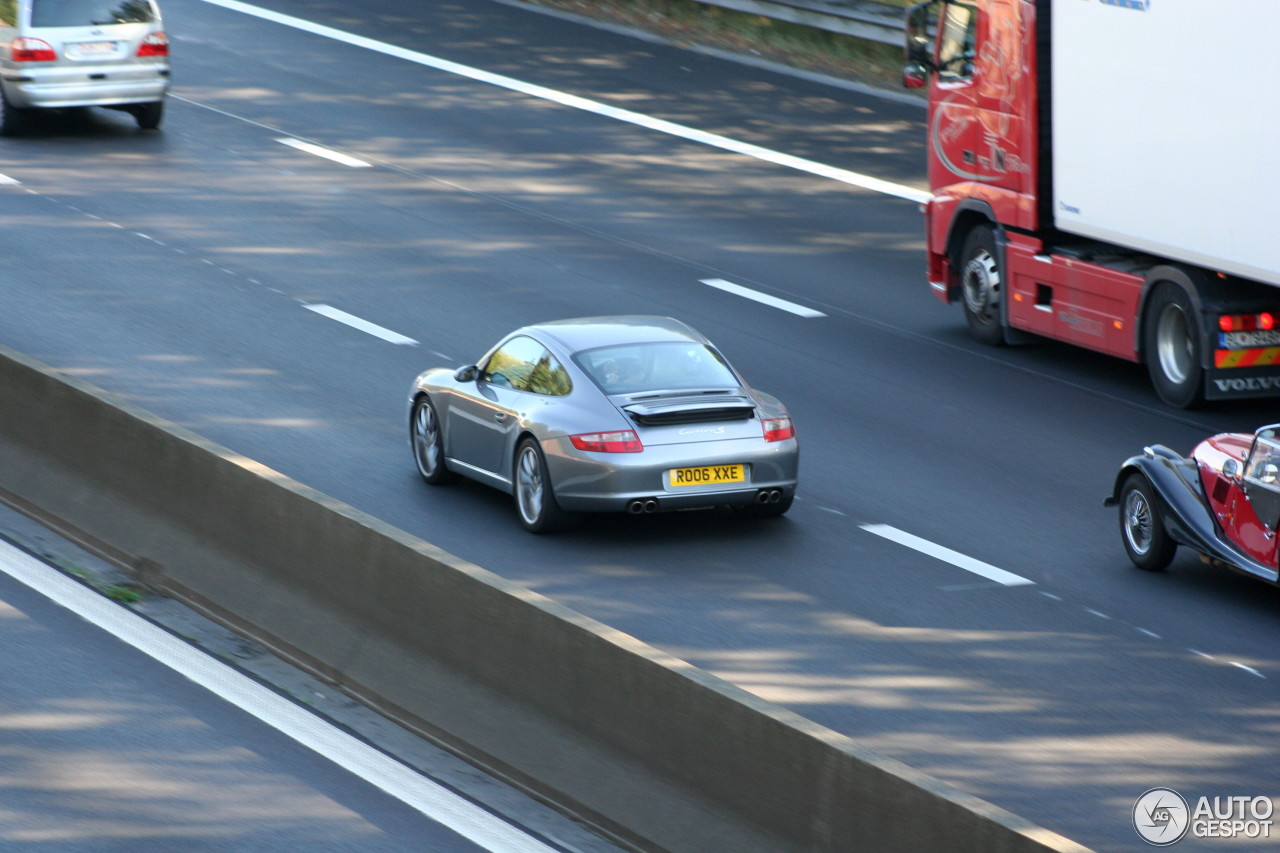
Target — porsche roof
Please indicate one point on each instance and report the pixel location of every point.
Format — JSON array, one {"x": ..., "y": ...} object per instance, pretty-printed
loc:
[{"x": 583, "y": 333}]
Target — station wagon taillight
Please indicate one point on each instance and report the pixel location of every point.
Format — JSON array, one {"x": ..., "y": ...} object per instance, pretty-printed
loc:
[
  {"x": 27, "y": 49},
  {"x": 156, "y": 44},
  {"x": 621, "y": 441},
  {"x": 777, "y": 429}
]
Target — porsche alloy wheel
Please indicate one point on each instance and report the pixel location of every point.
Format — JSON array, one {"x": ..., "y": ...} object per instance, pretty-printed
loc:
[
  {"x": 428, "y": 444},
  {"x": 535, "y": 498},
  {"x": 1141, "y": 527}
]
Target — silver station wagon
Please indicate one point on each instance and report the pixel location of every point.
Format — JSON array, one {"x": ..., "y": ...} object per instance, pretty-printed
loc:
[
  {"x": 82, "y": 53},
  {"x": 633, "y": 414}
]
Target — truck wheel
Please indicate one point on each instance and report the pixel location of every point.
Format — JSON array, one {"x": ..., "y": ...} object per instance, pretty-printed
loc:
[
  {"x": 1141, "y": 528},
  {"x": 1171, "y": 346},
  {"x": 982, "y": 285}
]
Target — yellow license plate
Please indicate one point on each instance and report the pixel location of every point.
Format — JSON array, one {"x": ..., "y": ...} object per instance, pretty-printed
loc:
[{"x": 707, "y": 475}]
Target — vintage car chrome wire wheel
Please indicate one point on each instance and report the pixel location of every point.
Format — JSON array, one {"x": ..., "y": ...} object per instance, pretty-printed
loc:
[
  {"x": 428, "y": 445},
  {"x": 1137, "y": 522},
  {"x": 535, "y": 498},
  {"x": 1145, "y": 539}
]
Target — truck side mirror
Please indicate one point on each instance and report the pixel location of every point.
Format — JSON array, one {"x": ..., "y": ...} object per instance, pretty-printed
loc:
[
  {"x": 918, "y": 42},
  {"x": 915, "y": 76}
]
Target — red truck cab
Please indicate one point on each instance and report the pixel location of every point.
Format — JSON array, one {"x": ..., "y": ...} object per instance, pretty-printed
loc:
[{"x": 994, "y": 242}]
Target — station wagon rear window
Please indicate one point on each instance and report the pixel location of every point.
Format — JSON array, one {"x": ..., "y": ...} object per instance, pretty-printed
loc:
[{"x": 84, "y": 13}]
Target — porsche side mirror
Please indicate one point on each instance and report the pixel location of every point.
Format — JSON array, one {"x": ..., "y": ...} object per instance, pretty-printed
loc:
[
  {"x": 465, "y": 374},
  {"x": 1231, "y": 468}
]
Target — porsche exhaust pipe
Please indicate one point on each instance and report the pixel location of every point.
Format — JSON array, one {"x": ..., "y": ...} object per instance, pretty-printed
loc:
[
  {"x": 639, "y": 506},
  {"x": 768, "y": 496}
]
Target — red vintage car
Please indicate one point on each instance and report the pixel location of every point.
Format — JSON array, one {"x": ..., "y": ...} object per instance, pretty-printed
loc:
[{"x": 1222, "y": 501}]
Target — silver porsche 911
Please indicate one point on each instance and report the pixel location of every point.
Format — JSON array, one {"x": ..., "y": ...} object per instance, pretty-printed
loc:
[{"x": 605, "y": 414}]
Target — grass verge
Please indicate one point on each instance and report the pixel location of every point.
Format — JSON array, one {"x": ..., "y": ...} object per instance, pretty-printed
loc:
[{"x": 693, "y": 23}]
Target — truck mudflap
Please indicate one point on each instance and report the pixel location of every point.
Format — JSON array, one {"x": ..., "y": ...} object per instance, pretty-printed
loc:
[
  {"x": 1242, "y": 355},
  {"x": 1232, "y": 383}
]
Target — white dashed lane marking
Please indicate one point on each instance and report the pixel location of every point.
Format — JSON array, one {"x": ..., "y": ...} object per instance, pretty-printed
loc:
[
  {"x": 363, "y": 325},
  {"x": 762, "y": 298},
  {"x": 326, "y": 153},
  {"x": 955, "y": 558}
]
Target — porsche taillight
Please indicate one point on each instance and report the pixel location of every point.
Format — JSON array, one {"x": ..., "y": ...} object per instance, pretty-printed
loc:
[
  {"x": 619, "y": 441},
  {"x": 777, "y": 429},
  {"x": 27, "y": 49},
  {"x": 156, "y": 44}
]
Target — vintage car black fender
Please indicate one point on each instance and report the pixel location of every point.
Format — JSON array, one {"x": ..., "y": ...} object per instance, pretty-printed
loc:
[{"x": 1184, "y": 510}]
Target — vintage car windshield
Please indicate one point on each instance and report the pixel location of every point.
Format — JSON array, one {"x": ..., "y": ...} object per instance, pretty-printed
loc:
[
  {"x": 1262, "y": 480},
  {"x": 674, "y": 365},
  {"x": 1264, "y": 463}
]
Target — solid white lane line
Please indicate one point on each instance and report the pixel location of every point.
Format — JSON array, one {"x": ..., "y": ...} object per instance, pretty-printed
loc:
[
  {"x": 376, "y": 768},
  {"x": 764, "y": 298},
  {"x": 326, "y": 153},
  {"x": 955, "y": 558},
  {"x": 5, "y": 179},
  {"x": 565, "y": 99},
  {"x": 363, "y": 325}
]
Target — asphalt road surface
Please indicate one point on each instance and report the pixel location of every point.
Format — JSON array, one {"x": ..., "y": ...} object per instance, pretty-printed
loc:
[
  {"x": 117, "y": 734},
  {"x": 948, "y": 588}
]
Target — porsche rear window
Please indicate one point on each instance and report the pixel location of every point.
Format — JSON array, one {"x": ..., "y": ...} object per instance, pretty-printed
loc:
[
  {"x": 84, "y": 13},
  {"x": 630, "y": 368}
]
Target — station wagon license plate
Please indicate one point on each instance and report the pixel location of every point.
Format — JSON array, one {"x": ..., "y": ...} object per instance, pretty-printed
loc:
[
  {"x": 707, "y": 475},
  {"x": 81, "y": 50}
]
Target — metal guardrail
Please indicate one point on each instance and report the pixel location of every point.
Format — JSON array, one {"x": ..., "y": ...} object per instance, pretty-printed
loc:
[{"x": 864, "y": 19}]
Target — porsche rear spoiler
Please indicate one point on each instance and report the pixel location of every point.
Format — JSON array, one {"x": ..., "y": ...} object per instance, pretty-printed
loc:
[{"x": 688, "y": 410}]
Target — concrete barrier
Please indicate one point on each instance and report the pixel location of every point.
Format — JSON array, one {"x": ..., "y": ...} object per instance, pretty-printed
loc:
[{"x": 649, "y": 748}]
